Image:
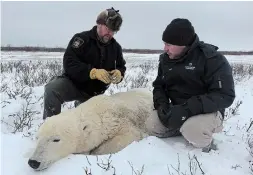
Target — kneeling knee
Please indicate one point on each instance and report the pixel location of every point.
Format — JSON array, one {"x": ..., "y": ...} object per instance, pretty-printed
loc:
[
  {"x": 196, "y": 134},
  {"x": 49, "y": 89}
]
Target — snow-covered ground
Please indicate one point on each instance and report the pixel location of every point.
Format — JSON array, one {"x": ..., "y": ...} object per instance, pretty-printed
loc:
[{"x": 23, "y": 75}]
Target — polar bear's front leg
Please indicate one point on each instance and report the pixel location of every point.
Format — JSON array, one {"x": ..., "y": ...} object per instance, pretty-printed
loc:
[{"x": 119, "y": 142}]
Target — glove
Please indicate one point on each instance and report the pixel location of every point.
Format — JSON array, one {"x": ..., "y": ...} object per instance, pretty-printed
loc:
[
  {"x": 100, "y": 74},
  {"x": 162, "y": 112},
  {"x": 175, "y": 116},
  {"x": 116, "y": 76}
]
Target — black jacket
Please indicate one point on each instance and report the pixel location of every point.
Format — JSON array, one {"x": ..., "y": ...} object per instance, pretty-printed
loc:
[
  {"x": 85, "y": 52},
  {"x": 202, "y": 72}
]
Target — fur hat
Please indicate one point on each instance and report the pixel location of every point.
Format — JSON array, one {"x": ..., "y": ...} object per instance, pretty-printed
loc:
[
  {"x": 179, "y": 32},
  {"x": 111, "y": 18}
]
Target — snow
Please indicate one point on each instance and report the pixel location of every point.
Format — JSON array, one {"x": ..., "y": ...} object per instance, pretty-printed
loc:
[{"x": 152, "y": 155}]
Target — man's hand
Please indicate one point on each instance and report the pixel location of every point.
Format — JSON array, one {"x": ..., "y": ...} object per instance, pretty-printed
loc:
[
  {"x": 174, "y": 116},
  {"x": 162, "y": 112},
  {"x": 115, "y": 76},
  {"x": 178, "y": 115},
  {"x": 100, "y": 74}
]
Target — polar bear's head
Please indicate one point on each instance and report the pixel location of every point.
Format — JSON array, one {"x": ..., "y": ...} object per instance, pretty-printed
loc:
[{"x": 56, "y": 139}]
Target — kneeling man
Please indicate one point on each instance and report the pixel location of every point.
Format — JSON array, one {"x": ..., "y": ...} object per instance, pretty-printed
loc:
[{"x": 193, "y": 87}]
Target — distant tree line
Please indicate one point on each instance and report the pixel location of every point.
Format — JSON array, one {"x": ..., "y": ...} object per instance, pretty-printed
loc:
[{"x": 143, "y": 51}]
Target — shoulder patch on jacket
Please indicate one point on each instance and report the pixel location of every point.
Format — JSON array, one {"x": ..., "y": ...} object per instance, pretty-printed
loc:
[{"x": 77, "y": 42}]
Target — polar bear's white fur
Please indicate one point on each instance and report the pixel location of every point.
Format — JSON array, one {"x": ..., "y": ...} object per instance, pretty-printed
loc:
[{"x": 102, "y": 125}]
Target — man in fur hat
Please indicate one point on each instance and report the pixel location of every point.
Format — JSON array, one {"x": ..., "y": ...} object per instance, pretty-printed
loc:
[
  {"x": 92, "y": 61},
  {"x": 193, "y": 87}
]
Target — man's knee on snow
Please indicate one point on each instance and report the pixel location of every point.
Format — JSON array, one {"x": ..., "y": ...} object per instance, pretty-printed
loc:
[
  {"x": 54, "y": 89},
  {"x": 199, "y": 129},
  {"x": 51, "y": 86},
  {"x": 52, "y": 98}
]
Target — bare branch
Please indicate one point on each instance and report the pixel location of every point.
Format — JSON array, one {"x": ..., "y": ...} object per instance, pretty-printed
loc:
[
  {"x": 88, "y": 160},
  {"x": 236, "y": 166},
  {"x": 137, "y": 172},
  {"x": 87, "y": 172},
  {"x": 251, "y": 123},
  {"x": 108, "y": 165},
  {"x": 199, "y": 165}
]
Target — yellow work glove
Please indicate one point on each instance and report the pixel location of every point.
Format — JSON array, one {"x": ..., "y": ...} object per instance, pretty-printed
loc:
[
  {"x": 100, "y": 74},
  {"x": 115, "y": 76}
]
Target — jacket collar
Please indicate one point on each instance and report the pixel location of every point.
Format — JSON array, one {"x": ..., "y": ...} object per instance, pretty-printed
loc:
[{"x": 187, "y": 50}]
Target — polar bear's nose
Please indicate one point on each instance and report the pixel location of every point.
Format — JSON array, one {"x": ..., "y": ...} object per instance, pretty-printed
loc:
[{"x": 33, "y": 163}]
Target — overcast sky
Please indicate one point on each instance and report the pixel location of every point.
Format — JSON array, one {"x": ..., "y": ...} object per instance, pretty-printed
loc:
[{"x": 229, "y": 25}]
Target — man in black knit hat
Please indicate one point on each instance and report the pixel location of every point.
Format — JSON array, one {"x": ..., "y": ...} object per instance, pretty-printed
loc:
[
  {"x": 193, "y": 87},
  {"x": 92, "y": 61}
]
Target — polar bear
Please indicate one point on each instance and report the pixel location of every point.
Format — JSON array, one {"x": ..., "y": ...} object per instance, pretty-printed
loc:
[{"x": 102, "y": 125}]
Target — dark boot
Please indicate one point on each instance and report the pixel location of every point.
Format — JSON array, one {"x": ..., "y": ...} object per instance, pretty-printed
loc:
[{"x": 211, "y": 146}]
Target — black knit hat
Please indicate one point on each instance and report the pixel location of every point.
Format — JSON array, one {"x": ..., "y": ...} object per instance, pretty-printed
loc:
[
  {"x": 179, "y": 32},
  {"x": 111, "y": 18}
]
